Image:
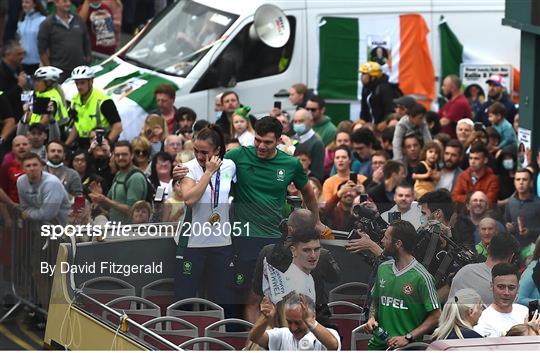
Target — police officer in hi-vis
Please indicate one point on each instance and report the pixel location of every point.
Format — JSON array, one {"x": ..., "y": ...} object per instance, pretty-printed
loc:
[{"x": 91, "y": 110}]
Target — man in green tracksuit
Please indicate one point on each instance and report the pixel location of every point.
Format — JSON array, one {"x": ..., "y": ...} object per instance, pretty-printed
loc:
[
  {"x": 263, "y": 173},
  {"x": 322, "y": 124}
]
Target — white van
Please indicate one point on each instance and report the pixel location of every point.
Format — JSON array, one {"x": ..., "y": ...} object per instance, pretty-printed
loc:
[{"x": 204, "y": 48}]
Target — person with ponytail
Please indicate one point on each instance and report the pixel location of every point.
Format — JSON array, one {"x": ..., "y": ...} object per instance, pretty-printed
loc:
[
  {"x": 460, "y": 315},
  {"x": 205, "y": 252}
]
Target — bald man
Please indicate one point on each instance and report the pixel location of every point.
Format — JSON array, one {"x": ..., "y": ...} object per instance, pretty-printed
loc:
[
  {"x": 487, "y": 228},
  {"x": 309, "y": 142}
]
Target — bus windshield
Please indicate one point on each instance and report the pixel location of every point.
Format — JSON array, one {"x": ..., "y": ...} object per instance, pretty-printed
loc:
[{"x": 179, "y": 38}]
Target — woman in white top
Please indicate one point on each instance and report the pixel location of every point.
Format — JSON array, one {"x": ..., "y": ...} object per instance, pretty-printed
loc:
[{"x": 205, "y": 260}]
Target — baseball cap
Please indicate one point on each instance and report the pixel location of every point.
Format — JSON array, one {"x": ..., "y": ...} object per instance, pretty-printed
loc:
[
  {"x": 406, "y": 101},
  {"x": 39, "y": 126},
  {"x": 495, "y": 80}
]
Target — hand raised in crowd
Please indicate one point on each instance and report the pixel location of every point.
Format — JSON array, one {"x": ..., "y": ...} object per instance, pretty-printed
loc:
[
  {"x": 213, "y": 164},
  {"x": 378, "y": 175},
  {"x": 370, "y": 204},
  {"x": 179, "y": 172},
  {"x": 509, "y": 227},
  {"x": 286, "y": 140},
  {"x": 97, "y": 198},
  {"x": 349, "y": 186},
  {"x": 267, "y": 308},
  {"x": 534, "y": 321},
  {"x": 275, "y": 112},
  {"x": 307, "y": 317}
]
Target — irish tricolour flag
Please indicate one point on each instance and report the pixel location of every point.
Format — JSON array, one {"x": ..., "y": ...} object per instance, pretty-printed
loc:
[
  {"x": 398, "y": 42},
  {"x": 454, "y": 54}
]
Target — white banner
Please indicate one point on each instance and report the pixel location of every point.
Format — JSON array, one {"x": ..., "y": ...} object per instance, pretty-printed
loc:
[{"x": 478, "y": 74}]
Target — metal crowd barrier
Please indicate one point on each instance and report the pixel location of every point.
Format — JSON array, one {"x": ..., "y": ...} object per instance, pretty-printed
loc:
[{"x": 29, "y": 249}]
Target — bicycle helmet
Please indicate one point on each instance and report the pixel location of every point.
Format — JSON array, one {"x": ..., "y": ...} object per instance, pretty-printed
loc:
[
  {"x": 48, "y": 73},
  {"x": 82, "y": 73}
]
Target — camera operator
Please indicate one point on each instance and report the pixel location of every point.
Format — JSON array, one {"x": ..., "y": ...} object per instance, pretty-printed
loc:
[
  {"x": 405, "y": 305},
  {"x": 322, "y": 267},
  {"x": 502, "y": 249},
  {"x": 437, "y": 209}
]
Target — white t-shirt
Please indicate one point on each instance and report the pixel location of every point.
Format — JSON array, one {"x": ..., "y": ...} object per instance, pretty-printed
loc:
[
  {"x": 412, "y": 215},
  {"x": 246, "y": 139},
  {"x": 495, "y": 324},
  {"x": 281, "y": 339},
  {"x": 202, "y": 234}
]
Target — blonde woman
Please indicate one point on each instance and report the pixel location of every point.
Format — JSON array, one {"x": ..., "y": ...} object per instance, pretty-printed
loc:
[
  {"x": 155, "y": 130},
  {"x": 460, "y": 315},
  {"x": 142, "y": 149}
]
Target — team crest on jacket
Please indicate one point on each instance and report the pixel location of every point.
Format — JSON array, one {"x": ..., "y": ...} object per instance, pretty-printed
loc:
[
  {"x": 407, "y": 289},
  {"x": 280, "y": 175}
]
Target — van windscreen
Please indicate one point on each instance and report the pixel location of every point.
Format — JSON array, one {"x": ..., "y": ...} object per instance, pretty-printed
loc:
[{"x": 177, "y": 39}]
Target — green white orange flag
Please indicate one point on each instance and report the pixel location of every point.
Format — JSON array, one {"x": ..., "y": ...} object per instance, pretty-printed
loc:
[
  {"x": 398, "y": 42},
  {"x": 453, "y": 54}
]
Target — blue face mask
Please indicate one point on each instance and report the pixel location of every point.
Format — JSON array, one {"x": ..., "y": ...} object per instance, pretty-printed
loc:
[
  {"x": 299, "y": 128},
  {"x": 508, "y": 164},
  {"x": 423, "y": 220},
  {"x": 95, "y": 6}
]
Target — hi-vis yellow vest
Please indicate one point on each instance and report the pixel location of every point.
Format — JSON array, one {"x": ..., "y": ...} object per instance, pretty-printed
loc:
[
  {"x": 89, "y": 115},
  {"x": 61, "y": 115}
]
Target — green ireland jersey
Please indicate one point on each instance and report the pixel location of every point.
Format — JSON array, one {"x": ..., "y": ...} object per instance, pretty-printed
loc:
[
  {"x": 404, "y": 299},
  {"x": 261, "y": 189}
]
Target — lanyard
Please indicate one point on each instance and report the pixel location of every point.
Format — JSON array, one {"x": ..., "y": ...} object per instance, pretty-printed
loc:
[{"x": 214, "y": 193}]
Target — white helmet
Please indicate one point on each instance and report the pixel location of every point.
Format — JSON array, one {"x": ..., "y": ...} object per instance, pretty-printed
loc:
[
  {"x": 48, "y": 73},
  {"x": 82, "y": 73}
]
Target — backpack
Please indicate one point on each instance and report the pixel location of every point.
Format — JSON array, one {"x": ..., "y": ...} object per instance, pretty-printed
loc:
[
  {"x": 150, "y": 190},
  {"x": 396, "y": 91}
]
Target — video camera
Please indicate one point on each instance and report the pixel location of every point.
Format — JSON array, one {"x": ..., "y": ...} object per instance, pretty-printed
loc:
[
  {"x": 368, "y": 221},
  {"x": 439, "y": 254}
]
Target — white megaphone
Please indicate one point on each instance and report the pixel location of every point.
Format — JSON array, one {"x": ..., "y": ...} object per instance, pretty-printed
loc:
[{"x": 271, "y": 26}]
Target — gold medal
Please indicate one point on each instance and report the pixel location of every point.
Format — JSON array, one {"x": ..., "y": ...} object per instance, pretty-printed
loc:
[{"x": 214, "y": 218}]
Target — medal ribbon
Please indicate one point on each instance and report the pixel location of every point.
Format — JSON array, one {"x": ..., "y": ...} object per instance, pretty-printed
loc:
[{"x": 214, "y": 196}]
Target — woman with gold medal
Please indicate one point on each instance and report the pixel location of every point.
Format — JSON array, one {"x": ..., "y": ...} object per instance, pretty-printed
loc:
[{"x": 205, "y": 253}]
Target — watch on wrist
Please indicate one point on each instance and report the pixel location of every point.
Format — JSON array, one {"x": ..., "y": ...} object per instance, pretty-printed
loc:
[{"x": 409, "y": 337}]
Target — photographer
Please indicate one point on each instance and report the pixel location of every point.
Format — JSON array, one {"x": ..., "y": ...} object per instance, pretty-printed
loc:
[
  {"x": 336, "y": 213},
  {"x": 405, "y": 305},
  {"x": 280, "y": 257},
  {"x": 502, "y": 249}
]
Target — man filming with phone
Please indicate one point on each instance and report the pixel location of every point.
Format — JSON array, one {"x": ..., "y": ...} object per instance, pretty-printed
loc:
[{"x": 405, "y": 208}]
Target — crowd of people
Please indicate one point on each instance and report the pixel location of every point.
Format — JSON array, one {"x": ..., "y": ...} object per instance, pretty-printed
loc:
[{"x": 459, "y": 170}]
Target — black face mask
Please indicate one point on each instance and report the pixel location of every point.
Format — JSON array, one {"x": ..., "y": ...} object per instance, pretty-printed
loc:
[{"x": 448, "y": 95}]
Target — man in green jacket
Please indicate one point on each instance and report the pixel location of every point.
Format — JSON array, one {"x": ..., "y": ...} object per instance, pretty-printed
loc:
[{"x": 322, "y": 124}]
